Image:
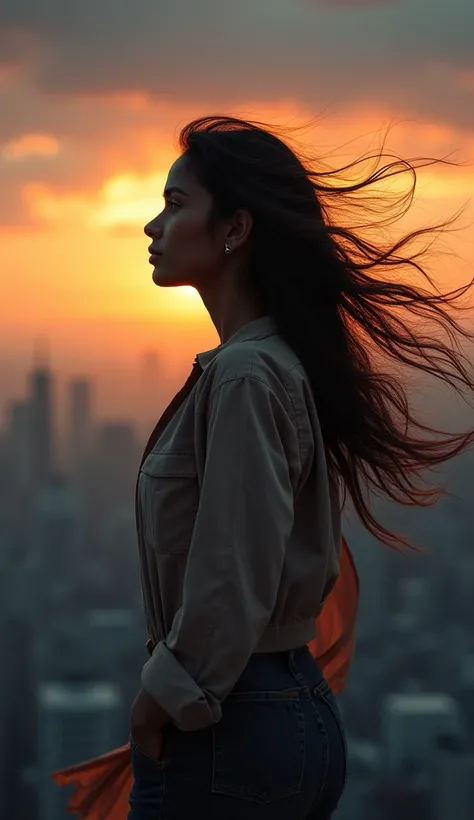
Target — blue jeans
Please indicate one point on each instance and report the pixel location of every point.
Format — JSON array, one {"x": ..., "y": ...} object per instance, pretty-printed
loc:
[{"x": 279, "y": 752}]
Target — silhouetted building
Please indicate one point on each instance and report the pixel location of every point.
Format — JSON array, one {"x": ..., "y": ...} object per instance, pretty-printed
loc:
[
  {"x": 76, "y": 720},
  {"x": 116, "y": 456},
  {"x": 18, "y": 442},
  {"x": 41, "y": 425},
  {"x": 56, "y": 555},
  {"x": 150, "y": 383},
  {"x": 410, "y": 725},
  {"x": 453, "y": 780},
  {"x": 79, "y": 422},
  {"x": 401, "y": 801}
]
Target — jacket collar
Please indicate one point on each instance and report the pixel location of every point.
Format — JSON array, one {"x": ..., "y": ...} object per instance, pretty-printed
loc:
[{"x": 257, "y": 329}]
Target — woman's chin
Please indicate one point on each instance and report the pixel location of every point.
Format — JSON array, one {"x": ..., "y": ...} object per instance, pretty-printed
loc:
[
  {"x": 170, "y": 279},
  {"x": 160, "y": 278}
]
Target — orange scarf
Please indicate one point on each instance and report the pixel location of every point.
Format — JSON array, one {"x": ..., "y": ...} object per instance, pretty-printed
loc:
[{"x": 102, "y": 785}]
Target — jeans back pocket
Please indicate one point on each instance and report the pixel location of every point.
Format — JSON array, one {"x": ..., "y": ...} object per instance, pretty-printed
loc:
[
  {"x": 334, "y": 707},
  {"x": 259, "y": 746},
  {"x": 325, "y": 694}
]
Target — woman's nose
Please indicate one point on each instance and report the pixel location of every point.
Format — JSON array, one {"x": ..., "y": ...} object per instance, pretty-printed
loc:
[{"x": 152, "y": 229}]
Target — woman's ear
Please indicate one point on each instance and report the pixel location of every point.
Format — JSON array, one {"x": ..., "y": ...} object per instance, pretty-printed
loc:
[{"x": 239, "y": 229}]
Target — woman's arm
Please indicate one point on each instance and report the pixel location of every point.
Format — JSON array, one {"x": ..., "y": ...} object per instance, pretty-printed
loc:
[{"x": 235, "y": 560}]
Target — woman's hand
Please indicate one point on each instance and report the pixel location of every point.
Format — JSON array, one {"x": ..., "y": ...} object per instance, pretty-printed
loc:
[{"x": 147, "y": 724}]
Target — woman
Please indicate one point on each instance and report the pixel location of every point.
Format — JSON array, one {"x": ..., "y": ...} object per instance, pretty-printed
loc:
[{"x": 242, "y": 483}]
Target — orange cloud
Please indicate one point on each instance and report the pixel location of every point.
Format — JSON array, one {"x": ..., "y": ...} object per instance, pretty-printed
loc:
[
  {"x": 28, "y": 145},
  {"x": 90, "y": 262},
  {"x": 467, "y": 78},
  {"x": 130, "y": 165}
]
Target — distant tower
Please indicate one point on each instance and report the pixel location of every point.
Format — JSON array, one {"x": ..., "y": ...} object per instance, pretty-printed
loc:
[
  {"x": 150, "y": 362},
  {"x": 56, "y": 539},
  {"x": 41, "y": 417},
  {"x": 77, "y": 720},
  {"x": 18, "y": 441},
  {"x": 453, "y": 786},
  {"x": 149, "y": 390},
  {"x": 79, "y": 422},
  {"x": 410, "y": 725},
  {"x": 117, "y": 455}
]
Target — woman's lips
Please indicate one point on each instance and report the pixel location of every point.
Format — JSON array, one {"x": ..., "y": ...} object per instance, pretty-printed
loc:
[{"x": 154, "y": 258}]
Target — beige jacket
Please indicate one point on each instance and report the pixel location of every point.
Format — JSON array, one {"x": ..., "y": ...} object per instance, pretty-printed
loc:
[{"x": 239, "y": 530}]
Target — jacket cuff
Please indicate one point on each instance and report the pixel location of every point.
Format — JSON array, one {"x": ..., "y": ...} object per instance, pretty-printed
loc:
[{"x": 167, "y": 681}]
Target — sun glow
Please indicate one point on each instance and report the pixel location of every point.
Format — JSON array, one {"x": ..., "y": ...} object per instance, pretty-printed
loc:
[
  {"x": 188, "y": 301},
  {"x": 81, "y": 260},
  {"x": 129, "y": 199}
]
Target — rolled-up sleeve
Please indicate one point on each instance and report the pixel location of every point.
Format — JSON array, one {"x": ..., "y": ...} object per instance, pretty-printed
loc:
[{"x": 235, "y": 561}]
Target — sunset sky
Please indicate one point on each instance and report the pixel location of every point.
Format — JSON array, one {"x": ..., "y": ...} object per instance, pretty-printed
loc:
[{"x": 92, "y": 96}]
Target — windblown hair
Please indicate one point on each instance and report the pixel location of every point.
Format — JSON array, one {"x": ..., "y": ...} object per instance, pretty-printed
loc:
[{"x": 344, "y": 301}]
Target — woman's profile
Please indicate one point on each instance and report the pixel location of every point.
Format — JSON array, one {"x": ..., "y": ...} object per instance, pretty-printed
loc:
[{"x": 248, "y": 586}]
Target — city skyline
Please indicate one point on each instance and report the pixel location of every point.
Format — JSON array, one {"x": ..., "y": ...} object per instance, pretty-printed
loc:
[{"x": 119, "y": 379}]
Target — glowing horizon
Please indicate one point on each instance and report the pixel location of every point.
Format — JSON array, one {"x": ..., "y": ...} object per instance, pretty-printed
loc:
[{"x": 79, "y": 274}]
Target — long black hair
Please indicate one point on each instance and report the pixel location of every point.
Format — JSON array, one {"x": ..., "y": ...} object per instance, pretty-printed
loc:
[{"x": 343, "y": 301}]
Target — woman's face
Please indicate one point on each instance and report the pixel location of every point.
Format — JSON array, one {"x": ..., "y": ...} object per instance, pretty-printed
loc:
[{"x": 183, "y": 251}]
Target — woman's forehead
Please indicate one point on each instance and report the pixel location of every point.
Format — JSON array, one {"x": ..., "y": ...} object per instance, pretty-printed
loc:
[{"x": 181, "y": 176}]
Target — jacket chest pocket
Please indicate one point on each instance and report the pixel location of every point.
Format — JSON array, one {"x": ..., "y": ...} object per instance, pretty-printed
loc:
[{"x": 169, "y": 498}]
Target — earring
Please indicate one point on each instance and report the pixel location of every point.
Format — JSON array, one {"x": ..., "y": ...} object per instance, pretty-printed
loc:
[{"x": 228, "y": 249}]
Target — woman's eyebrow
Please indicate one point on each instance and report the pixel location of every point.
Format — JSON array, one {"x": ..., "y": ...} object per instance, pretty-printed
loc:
[{"x": 174, "y": 189}]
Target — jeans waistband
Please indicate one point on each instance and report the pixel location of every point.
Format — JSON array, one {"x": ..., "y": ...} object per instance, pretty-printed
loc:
[
  {"x": 294, "y": 668},
  {"x": 287, "y": 653},
  {"x": 267, "y": 671}
]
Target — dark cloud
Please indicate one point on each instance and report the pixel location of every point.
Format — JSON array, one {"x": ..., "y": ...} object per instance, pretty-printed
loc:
[
  {"x": 186, "y": 47},
  {"x": 66, "y": 61},
  {"x": 353, "y": 4}
]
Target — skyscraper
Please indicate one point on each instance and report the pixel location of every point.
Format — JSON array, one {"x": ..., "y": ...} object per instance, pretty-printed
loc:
[
  {"x": 150, "y": 392},
  {"x": 79, "y": 422},
  {"x": 117, "y": 453},
  {"x": 18, "y": 442},
  {"x": 77, "y": 720},
  {"x": 56, "y": 553},
  {"x": 41, "y": 422},
  {"x": 453, "y": 787},
  {"x": 411, "y": 723}
]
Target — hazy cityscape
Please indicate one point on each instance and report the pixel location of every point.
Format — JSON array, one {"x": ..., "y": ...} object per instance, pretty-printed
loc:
[
  {"x": 72, "y": 635},
  {"x": 93, "y": 97}
]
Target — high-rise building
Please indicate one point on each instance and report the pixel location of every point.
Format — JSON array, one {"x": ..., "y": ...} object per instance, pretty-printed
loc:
[
  {"x": 453, "y": 781},
  {"x": 41, "y": 423},
  {"x": 112, "y": 636},
  {"x": 77, "y": 720},
  {"x": 79, "y": 422},
  {"x": 374, "y": 568},
  {"x": 18, "y": 442},
  {"x": 117, "y": 454},
  {"x": 399, "y": 799},
  {"x": 411, "y": 724},
  {"x": 17, "y": 717},
  {"x": 114, "y": 642},
  {"x": 55, "y": 560},
  {"x": 4, "y": 703},
  {"x": 149, "y": 389}
]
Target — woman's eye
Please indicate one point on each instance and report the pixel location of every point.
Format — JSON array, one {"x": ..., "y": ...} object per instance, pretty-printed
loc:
[{"x": 172, "y": 206}]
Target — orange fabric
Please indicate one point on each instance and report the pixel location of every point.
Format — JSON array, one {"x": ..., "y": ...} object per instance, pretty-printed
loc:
[
  {"x": 334, "y": 645},
  {"x": 102, "y": 785}
]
